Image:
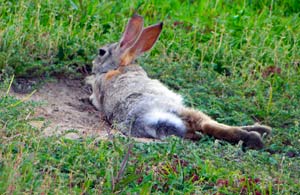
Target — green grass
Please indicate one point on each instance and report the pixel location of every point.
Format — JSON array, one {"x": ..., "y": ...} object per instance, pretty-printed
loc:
[{"x": 237, "y": 61}]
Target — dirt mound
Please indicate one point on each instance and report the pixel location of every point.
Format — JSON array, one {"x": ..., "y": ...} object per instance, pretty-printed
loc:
[{"x": 65, "y": 106}]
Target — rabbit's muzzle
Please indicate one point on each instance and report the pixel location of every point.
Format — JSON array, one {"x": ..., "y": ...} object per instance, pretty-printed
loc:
[
  {"x": 91, "y": 80},
  {"x": 94, "y": 102}
]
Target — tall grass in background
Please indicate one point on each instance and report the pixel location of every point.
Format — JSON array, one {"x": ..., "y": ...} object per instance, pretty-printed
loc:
[{"x": 45, "y": 37}]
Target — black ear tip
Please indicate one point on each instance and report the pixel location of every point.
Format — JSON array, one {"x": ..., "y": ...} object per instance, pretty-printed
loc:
[
  {"x": 161, "y": 24},
  {"x": 136, "y": 15}
]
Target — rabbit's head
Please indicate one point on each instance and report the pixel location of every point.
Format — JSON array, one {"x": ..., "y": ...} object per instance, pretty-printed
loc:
[{"x": 135, "y": 41}]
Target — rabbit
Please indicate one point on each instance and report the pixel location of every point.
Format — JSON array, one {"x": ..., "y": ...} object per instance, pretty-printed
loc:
[{"x": 143, "y": 107}]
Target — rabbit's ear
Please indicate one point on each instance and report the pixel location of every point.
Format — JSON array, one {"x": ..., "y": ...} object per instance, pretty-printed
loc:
[
  {"x": 144, "y": 43},
  {"x": 132, "y": 31}
]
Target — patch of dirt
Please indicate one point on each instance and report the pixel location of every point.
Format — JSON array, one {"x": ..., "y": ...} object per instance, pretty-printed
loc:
[{"x": 65, "y": 106}]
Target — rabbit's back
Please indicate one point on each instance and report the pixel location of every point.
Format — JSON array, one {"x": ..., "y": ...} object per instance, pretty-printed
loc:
[{"x": 134, "y": 101}]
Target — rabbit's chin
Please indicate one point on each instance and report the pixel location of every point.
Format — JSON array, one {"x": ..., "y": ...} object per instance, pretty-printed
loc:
[{"x": 90, "y": 80}]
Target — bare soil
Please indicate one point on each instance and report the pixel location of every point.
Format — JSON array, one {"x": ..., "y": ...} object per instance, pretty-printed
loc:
[{"x": 65, "y": 107}]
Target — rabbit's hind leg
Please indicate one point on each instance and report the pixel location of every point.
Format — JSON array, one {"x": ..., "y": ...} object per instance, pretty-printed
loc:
[
  {"x": 197, "y": 121},
  {"x": 261, "y": 129},
  {"x": 232, "y": 134}
]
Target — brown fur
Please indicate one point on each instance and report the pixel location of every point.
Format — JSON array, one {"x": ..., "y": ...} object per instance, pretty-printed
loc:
[
  {"x": 193, "y": 119},
  {"x": 197, "y": 121},
  {"x": 112, "y": 73},
  {"x": 126, "y": 58}
]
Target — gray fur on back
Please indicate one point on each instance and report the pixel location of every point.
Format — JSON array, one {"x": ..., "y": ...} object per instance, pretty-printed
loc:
[{"x": 138, "y": 105}]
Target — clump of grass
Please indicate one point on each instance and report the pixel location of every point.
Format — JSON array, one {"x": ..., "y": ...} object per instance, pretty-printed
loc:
[{"x": 48, "y": 37}]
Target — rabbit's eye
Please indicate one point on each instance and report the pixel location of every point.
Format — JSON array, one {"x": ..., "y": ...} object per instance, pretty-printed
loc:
[{"x": 102, "y": 52}]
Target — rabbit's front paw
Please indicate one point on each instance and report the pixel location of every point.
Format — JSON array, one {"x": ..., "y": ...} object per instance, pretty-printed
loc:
[{"x": 94, "y": 102}]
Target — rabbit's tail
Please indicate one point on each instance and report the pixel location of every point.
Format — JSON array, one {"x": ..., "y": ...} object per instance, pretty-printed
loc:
[{"x": 160, "y": 123}]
